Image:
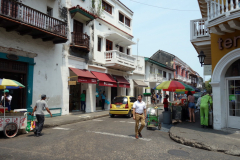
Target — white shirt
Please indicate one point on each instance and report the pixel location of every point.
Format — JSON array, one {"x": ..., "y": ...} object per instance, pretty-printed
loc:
[
  {"x": 139, "y": 107},
  {"x": 9, "y": 97}
]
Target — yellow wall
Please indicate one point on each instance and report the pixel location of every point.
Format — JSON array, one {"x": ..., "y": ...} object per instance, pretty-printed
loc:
[{"x": 216, "y": 53}]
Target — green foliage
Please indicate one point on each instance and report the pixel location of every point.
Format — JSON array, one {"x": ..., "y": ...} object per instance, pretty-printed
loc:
[
  {"x": 97, "y": 9},
  {"x": 208, "y": 86}
]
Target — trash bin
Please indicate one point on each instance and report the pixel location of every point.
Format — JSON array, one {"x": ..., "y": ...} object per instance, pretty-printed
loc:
[{"x": 167, "y": 117}]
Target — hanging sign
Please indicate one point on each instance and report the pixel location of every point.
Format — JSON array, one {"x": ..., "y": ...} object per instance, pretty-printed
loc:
[
  {"x": 207, "y": 70},
  {"x": 72, "y": 83}
]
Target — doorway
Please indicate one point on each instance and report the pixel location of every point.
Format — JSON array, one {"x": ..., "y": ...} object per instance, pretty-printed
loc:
[
  {"x": 114, "y": 92},
  {"x": 233, "y": 94},
  {"x": 17, "y": 71},
  {"x": 74, "y": 97}
]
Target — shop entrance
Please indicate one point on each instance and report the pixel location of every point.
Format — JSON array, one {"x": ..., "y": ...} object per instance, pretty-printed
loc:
[
  {"x": 114, "y": 92},
  {"x": 74, "y": 97},
  {"x": 99, "y": 90},
  {"x": 16, "y": 71}
]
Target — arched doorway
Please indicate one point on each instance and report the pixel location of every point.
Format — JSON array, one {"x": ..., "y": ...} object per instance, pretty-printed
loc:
[
  {"x": 226, "y": 97},
  {"x": 233, "y": 93}
]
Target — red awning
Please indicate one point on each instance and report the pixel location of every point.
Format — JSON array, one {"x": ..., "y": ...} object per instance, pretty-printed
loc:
[
  {"x": 84, "y": 76},
  {"x": 105, "y": 79},
  {"x": 122, "y": 82}
]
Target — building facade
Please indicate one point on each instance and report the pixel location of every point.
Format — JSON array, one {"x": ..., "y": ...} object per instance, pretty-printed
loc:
[
  {"x": 216, "y": 34},
  {"x": 184, "y": 73}
]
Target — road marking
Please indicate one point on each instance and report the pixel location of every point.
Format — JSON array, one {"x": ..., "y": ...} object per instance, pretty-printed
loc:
[
  {"x": 119, "y": 135},
  {"x": 97, "y": 120},
  {"x": 84, "y": 116},
  {"x": 131, "y": 122},
  {"x": 66, "y": 129}
]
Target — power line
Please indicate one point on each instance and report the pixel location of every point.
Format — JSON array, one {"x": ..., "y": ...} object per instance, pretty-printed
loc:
[{"x": 161, "y": 7}]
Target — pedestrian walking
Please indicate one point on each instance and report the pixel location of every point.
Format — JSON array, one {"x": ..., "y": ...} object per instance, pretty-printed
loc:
[
  {"x": 83, "y": 101},
  {"x": 139, "y": 114},
  {"x": 165, "y": 102},
  {"x": 191, "y": 107},
  {"x": 40, "y": 106},
  {"x": 103, "y": 97},
  {"x": 206, "y": 101},
  {"x": 158, "y": 97}
]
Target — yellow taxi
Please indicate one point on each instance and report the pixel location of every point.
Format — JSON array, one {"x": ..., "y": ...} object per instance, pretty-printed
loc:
[{"x": 122, "y": 105}]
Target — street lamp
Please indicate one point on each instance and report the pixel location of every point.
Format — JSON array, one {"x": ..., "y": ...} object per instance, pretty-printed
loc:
[{"x": 201, "y": 57}]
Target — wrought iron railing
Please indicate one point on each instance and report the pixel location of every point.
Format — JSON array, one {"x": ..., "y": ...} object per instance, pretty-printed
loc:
[
  {"x": 23, "y": 13},
  {"x": 80, "y": 39}
]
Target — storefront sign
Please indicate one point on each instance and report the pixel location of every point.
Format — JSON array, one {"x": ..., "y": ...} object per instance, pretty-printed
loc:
[
  {"x": 108, "y": 84},
  {"x": 124, "y": 85},
  {"x": 207, "y": 70},
  {"x": 227, "y": 43},
  {"x": 87, "y": 80},
  {"x": 72, "y": 83}
]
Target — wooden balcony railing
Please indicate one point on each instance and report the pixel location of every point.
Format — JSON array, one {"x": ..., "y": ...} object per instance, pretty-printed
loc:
[
  {"x": 80, "y": 39},
  {"x": 27, "y": 15}
]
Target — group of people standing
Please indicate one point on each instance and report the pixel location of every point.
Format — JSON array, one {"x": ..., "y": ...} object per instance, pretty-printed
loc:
[
  {"x": 156, "y": 98},
  {"x": 204, "y": 103}
]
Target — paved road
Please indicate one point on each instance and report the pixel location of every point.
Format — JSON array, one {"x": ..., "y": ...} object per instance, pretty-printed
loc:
[{"x": 103, "y": 138}]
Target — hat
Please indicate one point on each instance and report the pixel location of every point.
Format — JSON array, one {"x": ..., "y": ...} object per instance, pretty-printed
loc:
[
  {"x": 43, "y": 96},
  {"x": 6, "y": 91}
]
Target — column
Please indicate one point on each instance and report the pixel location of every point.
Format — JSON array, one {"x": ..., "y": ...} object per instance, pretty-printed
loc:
[
  {"x": 108, "y": 94},
  {"x": 91, "y": 98}
]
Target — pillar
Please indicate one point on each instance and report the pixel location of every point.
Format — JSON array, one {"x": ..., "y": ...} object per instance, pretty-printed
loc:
[{"x": 90, "y": 98}]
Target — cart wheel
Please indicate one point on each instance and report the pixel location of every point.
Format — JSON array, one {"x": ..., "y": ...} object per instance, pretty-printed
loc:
[
  {"x": 159, "y": 126},
  {"x": 11, "y": 130}
]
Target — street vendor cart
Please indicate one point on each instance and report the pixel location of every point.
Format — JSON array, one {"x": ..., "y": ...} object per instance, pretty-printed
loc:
[
  {"x": 153, "y": 118},
  {"x": 11, "y": 122}
]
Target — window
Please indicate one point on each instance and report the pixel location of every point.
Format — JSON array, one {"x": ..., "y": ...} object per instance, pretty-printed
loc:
[
  {"x": 176, "y": 69},
  {"x": 160, "y": 72},
  {"x": 107, "y": 7},
  {"x": 109, "y": 45},
  {"x": 128, "y": 51},
  {"x": 121, "y": 49},
  {"x": 127, "y": 21},
  {"x": 164, "y": 74},
  {"x": 121, "y": 17},
  {"x": 169, "y": 76},
  {"x": 99, "y": 44},
  {"x": 49, "y": 11},
  {"x": 151, "y": 70},
  {"x": 120, "y": 100},
  {"x": 133, "y": 99}
]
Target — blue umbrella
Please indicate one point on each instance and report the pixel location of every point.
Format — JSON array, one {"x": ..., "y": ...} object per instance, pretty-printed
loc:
[{"x": 196, "y": 90}]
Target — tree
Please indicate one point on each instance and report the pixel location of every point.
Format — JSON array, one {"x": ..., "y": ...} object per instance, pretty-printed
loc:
[{"x": 207, "y": 86}]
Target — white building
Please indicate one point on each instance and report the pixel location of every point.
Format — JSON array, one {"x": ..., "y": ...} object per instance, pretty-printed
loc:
[
  {"x": 32, "y": 35},
  {"x": 106, "y": 46}
]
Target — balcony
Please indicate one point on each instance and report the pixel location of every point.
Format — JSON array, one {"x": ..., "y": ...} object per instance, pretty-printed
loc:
[
  {"x": 200, "y": 38},
  {"x": 118, "y": 60},
  {"x": 221, "y": 11},
  {"x": 154, "y": 78},
  {"x": 80, "y": 41},
  {"x": 15, "y": 16}
]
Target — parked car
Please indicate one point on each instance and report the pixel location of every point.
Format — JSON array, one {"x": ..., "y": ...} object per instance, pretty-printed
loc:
[
  {"x": 122, "y": 105},
  {"x": 197, "y": 95}
]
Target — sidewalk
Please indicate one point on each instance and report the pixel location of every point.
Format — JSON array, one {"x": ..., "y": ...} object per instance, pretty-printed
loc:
[
  {"x": 73, "y": 117},
  {"x": 191, "y": 134}
]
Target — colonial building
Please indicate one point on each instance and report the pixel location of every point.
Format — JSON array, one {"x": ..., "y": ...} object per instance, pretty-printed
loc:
[
  {"x": 32, "y": 36},
  {"x": 215, "y": 37},
  {"x": 103, "y": 39},
  {"x": 183, "y": 72}
]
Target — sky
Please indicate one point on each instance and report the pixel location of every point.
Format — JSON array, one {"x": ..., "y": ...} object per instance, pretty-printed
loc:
[{"x": 163, "y": 29}]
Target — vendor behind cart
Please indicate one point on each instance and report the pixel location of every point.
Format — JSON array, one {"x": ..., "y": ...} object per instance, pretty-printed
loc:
[{"x": 8, "y": 99}]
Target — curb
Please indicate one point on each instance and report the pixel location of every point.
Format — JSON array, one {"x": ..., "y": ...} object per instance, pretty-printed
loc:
[
  {"x": 74, "y": 121},
  {"x": 200, "y": 145}
]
